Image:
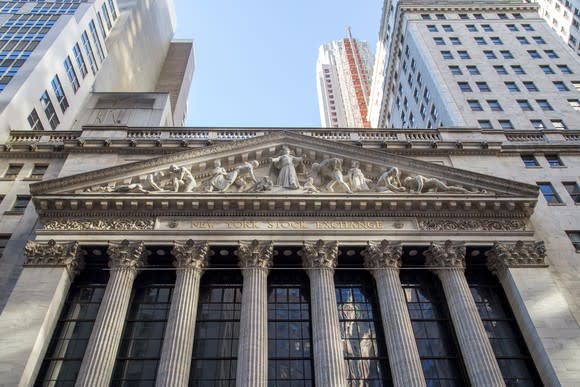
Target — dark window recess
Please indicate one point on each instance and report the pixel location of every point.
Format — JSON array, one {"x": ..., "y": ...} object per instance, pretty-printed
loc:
[
  {"x": 549, "y": 193},
  {"x": 530, "y": 161},
  {"x": 573, "y": 190},
  {"x": 554, "y": 161}
]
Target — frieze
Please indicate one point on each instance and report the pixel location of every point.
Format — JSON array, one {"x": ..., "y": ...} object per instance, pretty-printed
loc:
[
  {"x": 472, "y": 225},
  {"x": 98, "y": 224}
]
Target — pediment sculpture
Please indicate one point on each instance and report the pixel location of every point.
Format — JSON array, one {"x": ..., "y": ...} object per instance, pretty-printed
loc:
[{"x": 285, "y": 173}]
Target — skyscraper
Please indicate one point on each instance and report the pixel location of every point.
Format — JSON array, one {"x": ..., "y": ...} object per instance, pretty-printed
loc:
[
  {"x": 343, "y": 72},
  {"x": 498, "y": 66},
  {"x": 564, "y": 18}
]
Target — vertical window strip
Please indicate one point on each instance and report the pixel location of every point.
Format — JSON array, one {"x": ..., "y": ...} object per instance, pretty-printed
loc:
[
  {"x": 60, "y": 96},
  {"x": 96, "y": 40},
  {"x": 89, "y": 52}
]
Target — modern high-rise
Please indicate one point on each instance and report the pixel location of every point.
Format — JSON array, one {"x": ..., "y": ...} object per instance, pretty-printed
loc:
[
  {"x": 494, "y": 65},
  {"x": 564, "y": 18},
  {"x": 343, "y": 75}
]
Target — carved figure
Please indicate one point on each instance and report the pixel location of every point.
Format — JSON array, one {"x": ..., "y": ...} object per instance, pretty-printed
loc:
[
  {"x": 152, "y": 183},
  {"x": 128, "y": 188},
  {"x": 286, "y": 163},
  {"x": 391, "y": 180},
  {"x": 247, "y": 168},
  {"x": 182, "y": 179},
  {"x": 220, "y": 180},
  {"x": 420, "y": 183},
  {"x": 309, "y": 186},
  {"x": 264, "y": 184},
  {"x": 331, "y": 170},
  {"x": 356, "y": 178}
]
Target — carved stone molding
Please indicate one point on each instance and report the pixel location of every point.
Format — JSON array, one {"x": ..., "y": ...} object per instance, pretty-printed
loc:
[
  {"x": 53, "y": 253},
  {"x": 320, "y": 254},
  {"x": 126, "y": 254},
  {"x": 99, "y": 224},
  {"x": 190, "y": 254},
  {"x": 255, "y": 254},
  {"x": 446, "y": 255},
  {"x": 472, "y": 225},
  {"x": 519, "y": 254},
  {"x": 382, "y": 254}
]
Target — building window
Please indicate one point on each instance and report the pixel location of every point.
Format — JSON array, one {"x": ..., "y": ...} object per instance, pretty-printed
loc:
[
  {"x": 573, "y": 190},
  {"x": 496, "y": 40},
  {"x": 463, "y": 16},
  {"x": 289, "y": 329},
  {"x": 107, "y": 16},
  {"x": 71, "y": 335},
  {"x": 439, "y": 41},
  {"x": 530, "y": 86},
  {"x": 534, "y": 54},
  {"x": 489, "y": 55},
  {"x": 559, "y": 124},
  {"x": 475, "y": 105},
  {"x": 440, "y": 16},
  {"x": 506, "y": 54},
  {"x": 80, "y": 60},
  {"x": 113, "y": 10},
  {"x": 455, "y": 41},
  {"x": 517, "y": 69},
  {"x": 480, "y": 40},
  {"x": 49, "y": 110},
  {"x": 575, "y": 239},
  {"x": 506, "y": 124},
  {"x": 89, "y": 51},
  {"x": 101, "y": 25},
  {"x": 485, "y": 124},
  {"x": 217, "y": 326},
  {"x": 530, "y": 161},
  {"x": 478, "y": 16},
  {"x": 512, "y": 27},
  {"x": 447, "y": 28},
  {"x": 71, "y": 74},
  {"x": 539, "y": 40},
  {"x": 554, "y": 161},
  {"x": 20, "y": 203},
  {"x": 523, "y": 40},
  {"x": 560, "y": 86},
  {"x": 486, "y": 28},
  {"x": 140, "y": 348},
  {"x": 546, "y": 69},
  {"x": 34, "y": 121},
  {"x": 3, "y": 242},
  {"x": 494, "y": 105},
  {"x": 463, "y": 55},
  {"x": 60, "y": 97},
  {"x": 512, "y": 87},
  {"x": 438, "y": 350},
  {"x": 471, "y": 28},
  {"x": 425, "y": 16},
  {"x": 455, "y": 70},
  {"x": 464, "y": 87},
  {"x": 361, "y": 329},
  {"x": 551, "y": 54},
  {"x": 509, "y": 347},
  {"x": 12, "y": 171},
  {"x": 527, "y": 27},
  {"x": 575, "y": 104},
  {"x": 538, "y": 124},
  {"x": 96, "y": 40},
  {"x": 483, "y": 87},
  {"x": 38, "y": 171},
  {"x": 431, "y": 28},
  {"x": 500, "y": 70},
  {"x": 525, "y": 105},
  {"x": 549, "y": 193},
  {"x": 446, "y": 55},
  {"x": 473, "y": 70},
  {"x": 576, "y": 85},
  {"x": 502, "y": 16},
  {"x": 564, "y": 69},
  {"x": 544, "y": 105}
]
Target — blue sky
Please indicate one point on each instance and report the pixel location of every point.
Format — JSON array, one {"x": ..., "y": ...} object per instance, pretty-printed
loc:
[{"x": 256, "y": 59}]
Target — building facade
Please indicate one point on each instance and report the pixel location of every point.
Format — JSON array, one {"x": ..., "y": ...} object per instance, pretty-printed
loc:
[
  {"x": 564, "y": 18},
  {"x": 493, "y": 66},
  {"x": 343, "y": 77}
]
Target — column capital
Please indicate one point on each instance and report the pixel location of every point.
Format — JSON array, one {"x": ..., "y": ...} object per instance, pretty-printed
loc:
[
  {"x": 190, "y": 254},
  {"x": 54, "y": 253},
  {"x": 126, "y": 254},
  {"x": 382, "y": 254},
  {"x": 320, "y": 254},
  {"x": 255, "y": 254},
  {"x": 520, "y": 254},
  {"x": 448, "y": 255}
]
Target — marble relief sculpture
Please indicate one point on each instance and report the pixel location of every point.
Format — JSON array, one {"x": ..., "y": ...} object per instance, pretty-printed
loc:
[
  {"x": 390, "y": 180},
  {"x": 356, "y": 178},
  {"x": 420, "y": 184},
  {"x": 328, "y": 173},
  {"x": 181, "y": 179},
  {"x": 286, "y": 165}
]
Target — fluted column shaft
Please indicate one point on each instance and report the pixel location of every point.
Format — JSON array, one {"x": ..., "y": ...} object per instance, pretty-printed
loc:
[
  {"x": 383, "y": 260},
  {"x": 99, "y": 360},
  {"x": 175, "y": 363},
  {"x": 252, "y": 368},
  {"x": 448, "y": 262},
  {"x": 329, "y": 363}
]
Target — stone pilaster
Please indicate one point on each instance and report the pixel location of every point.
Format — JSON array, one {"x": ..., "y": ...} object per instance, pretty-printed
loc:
[
  {"x": 319, "y": 259},
  {"x": 255, "y": 259},
  {"x": 51, "y": 254},
  {"x": 384, "y": 260},
  {"x": 175, "y": 363},
  {"x": 97, "y": 367},
  {"x": 447, "y": 260}
]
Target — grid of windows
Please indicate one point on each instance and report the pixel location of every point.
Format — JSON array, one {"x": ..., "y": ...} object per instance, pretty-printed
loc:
[
  {"x": 71, "y": 335},
  {"x": 60, "y": 97},
  {"x": 549, "y": 193},
  {"x": 217, "y": 328},
  {"x": 142, "y": 338},
  {"x": 49, "y": 110},
  {"x": 433, "y": 329},
  {"x": 361, "y": 329}
]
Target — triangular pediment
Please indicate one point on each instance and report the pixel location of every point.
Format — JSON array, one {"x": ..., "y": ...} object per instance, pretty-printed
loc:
[{"x": 283, "y": 165}]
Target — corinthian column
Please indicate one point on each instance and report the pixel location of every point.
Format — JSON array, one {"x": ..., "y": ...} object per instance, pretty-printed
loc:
[
  {"x": 384, "y": 260},
  {"x": 255, "y": 260},
  {"x": 448, "y": 262},
  {"x": 97, "y": 367},
  {"x": 174, "y": 367},
  {"x": 319, "y": 260}
]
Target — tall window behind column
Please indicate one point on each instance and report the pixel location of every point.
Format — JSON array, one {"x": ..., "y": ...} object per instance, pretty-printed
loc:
[
  {"x": 360, "y": 325},
  {"x": 69, "y": 341},
  {"x": 438, "y": 350},
  {"x": 140, "y": 347},
  {"x": 217, "y": 328},
  {"x": 513, "y": 357}
]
